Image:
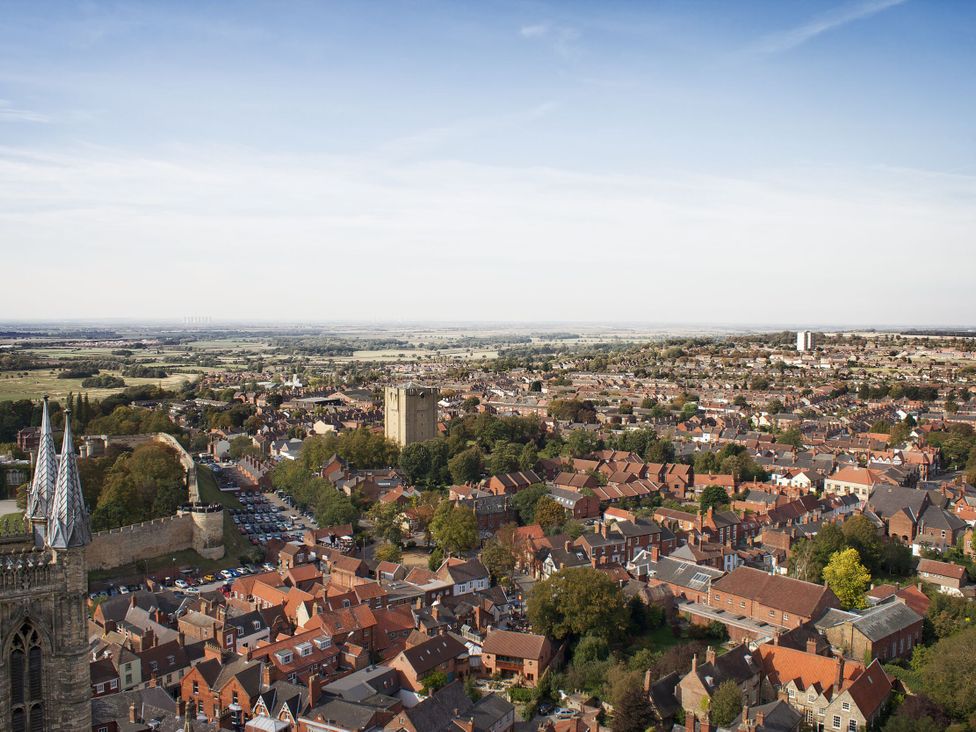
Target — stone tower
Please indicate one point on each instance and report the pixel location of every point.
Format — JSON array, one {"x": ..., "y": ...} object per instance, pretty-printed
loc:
[
  {"x": 410, "y": 414},
  {"x": 44, "y": 677}
]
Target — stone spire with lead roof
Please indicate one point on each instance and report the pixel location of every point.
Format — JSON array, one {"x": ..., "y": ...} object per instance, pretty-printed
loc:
[
  {"x": 41, "y": 499},
  {"x": 69, "y": 524}
]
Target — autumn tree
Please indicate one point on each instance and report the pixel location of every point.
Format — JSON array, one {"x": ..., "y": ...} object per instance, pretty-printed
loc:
[{"x": 847, "y": 577}]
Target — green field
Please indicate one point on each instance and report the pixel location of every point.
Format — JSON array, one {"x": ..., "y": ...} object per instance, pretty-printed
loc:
[{"x": 35, "y": 384}]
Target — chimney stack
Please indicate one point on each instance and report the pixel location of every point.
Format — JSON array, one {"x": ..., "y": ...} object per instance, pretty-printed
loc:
[
  {"x": 648, "y": 677},
  {"x": 839, "y": 680},
  {"x": 812, "y": 645},
  {"x": 315, "y": 684},
  {"x": 760, "y": 719},
  {"x": 694, "y": 662},
  {"x": 133, "y": 718},
  {"x": 710, "y": 655},
  {"x": 690, "y": 725},
  {"x": 655, "y": 554}
]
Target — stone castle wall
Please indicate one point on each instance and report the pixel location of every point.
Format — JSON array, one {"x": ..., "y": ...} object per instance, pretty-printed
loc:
[{"x": 116, "y": 547}]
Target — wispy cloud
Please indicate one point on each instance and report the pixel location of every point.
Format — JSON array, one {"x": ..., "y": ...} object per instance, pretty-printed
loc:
[
  {"x": 534, "y": 31},
  {"x": 836, "y": 18},
  {"x": 562, "y": 37},
  {"x": 10, "y": 113}
]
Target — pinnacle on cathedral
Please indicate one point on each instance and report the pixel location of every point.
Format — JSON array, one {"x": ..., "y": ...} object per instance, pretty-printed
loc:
[
  {"x": 69, "y": 524},
  {"x": 41, "y": 497}
]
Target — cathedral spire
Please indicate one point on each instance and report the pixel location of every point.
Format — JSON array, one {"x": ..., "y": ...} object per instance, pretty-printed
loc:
[
  {"x": 41, "y": 498},
  {"x": 69, "y": 516}
]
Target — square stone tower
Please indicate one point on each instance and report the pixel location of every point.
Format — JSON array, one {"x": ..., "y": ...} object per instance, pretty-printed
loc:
[{"x": 411, "y": 413}]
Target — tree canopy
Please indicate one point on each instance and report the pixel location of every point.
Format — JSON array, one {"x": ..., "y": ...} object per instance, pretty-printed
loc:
[
  {"x": 454, "y": 528},
  {"x": 577, "y": 602},
  {"x": 847, "y": 577}
]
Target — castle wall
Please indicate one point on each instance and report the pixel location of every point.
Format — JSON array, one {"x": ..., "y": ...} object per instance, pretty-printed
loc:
[{"x": 136, "y": 542}]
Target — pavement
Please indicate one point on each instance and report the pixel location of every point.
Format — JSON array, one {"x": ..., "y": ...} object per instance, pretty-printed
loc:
[{"x": 8, "y": 505}]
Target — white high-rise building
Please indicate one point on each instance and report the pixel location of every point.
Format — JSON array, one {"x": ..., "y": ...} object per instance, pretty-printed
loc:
[{"x": 805, "y": 340}]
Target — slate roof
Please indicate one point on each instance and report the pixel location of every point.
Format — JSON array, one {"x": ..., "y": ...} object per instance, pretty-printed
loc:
[
  {"x": 778, "y": 716},
  {"x": 433, "y": 652}
]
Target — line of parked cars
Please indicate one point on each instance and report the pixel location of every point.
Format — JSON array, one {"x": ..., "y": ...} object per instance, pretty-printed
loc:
[{"x": 261, "y": 521}]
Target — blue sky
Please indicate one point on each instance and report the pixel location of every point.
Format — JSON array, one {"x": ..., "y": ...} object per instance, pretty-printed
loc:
[{"x": 733, "y": 162}]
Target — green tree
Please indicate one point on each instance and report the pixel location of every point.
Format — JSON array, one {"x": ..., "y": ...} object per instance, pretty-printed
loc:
[
  {"x": 504, "y": 458},
  {"x": 581, "y": 442},
  {"x": 792, "y": 436},
  {"x": 454, "y": 528},
  {"x": 466, "y": 466},
  {"x": 577, "y": 602},
  {"x": 549, "y": 514},
  {"x": 847, "y": 577},
  {"x": 387, "y": 522},
  {"x": 499, "y": 560},
  {"x": 471, "y": 689},
  {"x": 590, "y": 649},
  {"x": 861, "y": 534},
  {"x": 526, "y": 500},
  {"x": 632, "y": 711},
  {"x": 433, "y": 681},
  {"x": 661, "y": 451},
  {"x": 948, "y": 674},
  {"x": 529, "y": 457},
  {"x": 726, "y": 703},
  {"x": 415, "y": 462},
  {"x": 712, "y": 497},
  {"x": 239, "y": 446},
  {"x": 334, "y": 508},
  {"x": 706, "y": 462},
  {"x": 387, "y": 552}
]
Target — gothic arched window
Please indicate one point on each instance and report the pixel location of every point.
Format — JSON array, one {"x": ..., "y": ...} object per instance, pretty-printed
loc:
[{"x": 26, "y": 697}]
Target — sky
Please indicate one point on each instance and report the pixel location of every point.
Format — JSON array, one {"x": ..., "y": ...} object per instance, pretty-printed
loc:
[{"x": 659, "y": 161}]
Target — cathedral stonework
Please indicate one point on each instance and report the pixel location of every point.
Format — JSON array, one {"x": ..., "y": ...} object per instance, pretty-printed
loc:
[{"x": 44, "y": 677}]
